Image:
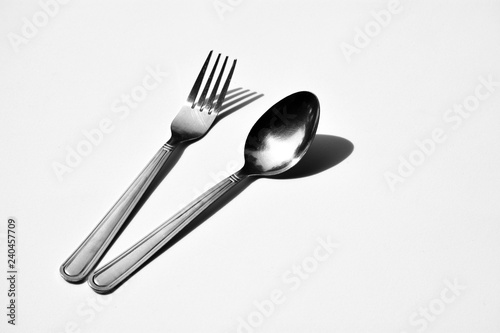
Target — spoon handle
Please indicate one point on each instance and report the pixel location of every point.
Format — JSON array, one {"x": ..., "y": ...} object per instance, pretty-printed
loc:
[
  {"x": 82, "y": 261},
  {"x": 108, "y": 277}
]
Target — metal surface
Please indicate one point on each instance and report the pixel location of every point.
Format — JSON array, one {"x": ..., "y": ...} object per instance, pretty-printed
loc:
[
  {"x": 192, "y": 122},
  {"x": 276, "y": 142}
]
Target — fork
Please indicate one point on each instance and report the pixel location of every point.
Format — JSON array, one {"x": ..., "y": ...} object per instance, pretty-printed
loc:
[{"x": 192, "y": 122}]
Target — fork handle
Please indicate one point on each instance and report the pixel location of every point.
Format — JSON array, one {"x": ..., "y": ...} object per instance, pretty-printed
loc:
[
  {"x": 83, "y": 260},
  {"x": 108, "y": 277}
]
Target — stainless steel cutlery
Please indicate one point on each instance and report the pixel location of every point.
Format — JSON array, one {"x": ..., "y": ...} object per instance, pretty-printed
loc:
[{"x": 277, "y": 141}]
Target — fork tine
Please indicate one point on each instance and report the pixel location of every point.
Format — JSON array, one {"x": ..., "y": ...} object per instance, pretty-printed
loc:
[
  {"x": 201, "y": 100},
  {"x": 222, "y": 94},
  {"x": 210, "y": 102},
  {"x": 199, "y": 79}
]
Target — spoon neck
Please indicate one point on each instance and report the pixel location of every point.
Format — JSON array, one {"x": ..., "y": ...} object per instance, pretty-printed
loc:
[{"x": 238, "y": 175}]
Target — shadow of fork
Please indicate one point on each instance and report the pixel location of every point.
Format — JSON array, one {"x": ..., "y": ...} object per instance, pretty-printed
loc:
[{"x": 235, "y": 100}]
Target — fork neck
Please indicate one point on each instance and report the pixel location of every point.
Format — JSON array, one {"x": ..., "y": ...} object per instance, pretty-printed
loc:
[{"x": 172, "y": 142}]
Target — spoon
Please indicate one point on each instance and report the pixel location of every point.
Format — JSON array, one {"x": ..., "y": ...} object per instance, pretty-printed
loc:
[{"x": 277, "y": 141}]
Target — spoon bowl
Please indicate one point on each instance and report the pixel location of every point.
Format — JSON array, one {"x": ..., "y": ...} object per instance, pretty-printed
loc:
[{"x": 281, "y": 136}]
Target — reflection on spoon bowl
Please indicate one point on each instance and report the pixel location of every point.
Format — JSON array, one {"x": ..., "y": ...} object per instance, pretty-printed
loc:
[{"x": 280, "y": 138}]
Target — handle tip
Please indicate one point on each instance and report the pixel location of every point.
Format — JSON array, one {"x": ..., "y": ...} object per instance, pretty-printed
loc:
[
  {"x": 72, "y": 278},
  {"x": 93, "y": 282}
]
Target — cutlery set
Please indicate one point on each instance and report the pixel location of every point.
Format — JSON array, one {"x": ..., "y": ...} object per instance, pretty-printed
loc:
[{"x": 277, "y": 141}]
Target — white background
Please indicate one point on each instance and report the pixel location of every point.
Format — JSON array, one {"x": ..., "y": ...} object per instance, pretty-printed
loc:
[{"x": 397, "y": 248}]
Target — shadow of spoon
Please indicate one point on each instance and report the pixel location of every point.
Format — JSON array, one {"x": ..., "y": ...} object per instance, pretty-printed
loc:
[{"x": 325, "y": 152}]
